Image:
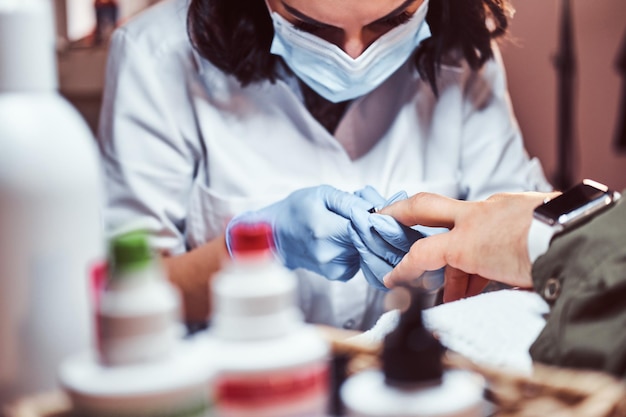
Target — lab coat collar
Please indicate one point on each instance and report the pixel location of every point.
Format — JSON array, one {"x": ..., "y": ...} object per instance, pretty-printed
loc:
[{"x": 353, "y": 136}]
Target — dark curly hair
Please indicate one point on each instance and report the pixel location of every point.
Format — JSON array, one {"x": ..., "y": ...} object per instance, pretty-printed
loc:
[{"x": 236, "y": 35}]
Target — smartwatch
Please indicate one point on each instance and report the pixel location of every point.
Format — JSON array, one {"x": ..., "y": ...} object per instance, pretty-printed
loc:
[{"x": 570, "y": 209}]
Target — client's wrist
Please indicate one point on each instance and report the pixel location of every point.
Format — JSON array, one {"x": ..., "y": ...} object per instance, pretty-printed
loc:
[{"x": 568, "y": 210}]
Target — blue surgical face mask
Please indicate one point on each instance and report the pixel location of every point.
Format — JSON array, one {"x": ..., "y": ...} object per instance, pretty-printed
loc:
[{"x": 334, "y": 74}]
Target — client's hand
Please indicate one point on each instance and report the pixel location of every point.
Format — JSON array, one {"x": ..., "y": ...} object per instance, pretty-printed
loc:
[
  {"x": 488, "y": 239},
  {"x": 311, "y": 230}
]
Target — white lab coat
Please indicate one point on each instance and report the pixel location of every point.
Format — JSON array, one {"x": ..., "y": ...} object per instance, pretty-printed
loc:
[{"x": 185, "y": 147}]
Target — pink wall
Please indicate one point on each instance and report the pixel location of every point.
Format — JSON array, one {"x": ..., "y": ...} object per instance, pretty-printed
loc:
[{"x": 599, "y": 28}]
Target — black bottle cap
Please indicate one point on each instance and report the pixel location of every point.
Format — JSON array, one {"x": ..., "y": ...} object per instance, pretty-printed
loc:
[
  {"x": 411, "y": 354},
  {"x": 338, "y": 375}
]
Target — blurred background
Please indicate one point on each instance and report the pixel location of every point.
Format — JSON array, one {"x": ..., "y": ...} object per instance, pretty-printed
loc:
[
  {"x": 598, "y": 32},
  {"x": 82, "y": 48},
  {"x": 599, "y": 28}
]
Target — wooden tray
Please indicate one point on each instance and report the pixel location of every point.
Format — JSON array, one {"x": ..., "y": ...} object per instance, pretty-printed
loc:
[{"x": 550, "y": 391}]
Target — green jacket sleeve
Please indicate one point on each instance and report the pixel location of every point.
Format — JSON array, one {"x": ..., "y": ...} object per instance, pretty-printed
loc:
[{"x": 583, "y": 277}]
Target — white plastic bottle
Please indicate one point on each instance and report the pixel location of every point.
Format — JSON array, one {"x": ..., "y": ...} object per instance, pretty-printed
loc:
[
  {"x": 142, "y": 366},
  {"x": 138, "y": 318},
  {"x": 270, "y": 363},
  {"x": 50, "y": 199},
  {"x": 412, "y": 382}
]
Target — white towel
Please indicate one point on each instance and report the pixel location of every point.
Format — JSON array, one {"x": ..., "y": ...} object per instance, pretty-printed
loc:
[{"x": 495, "y": 328}]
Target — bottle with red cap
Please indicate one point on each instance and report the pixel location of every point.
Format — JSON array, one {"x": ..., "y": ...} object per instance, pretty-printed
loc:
[{"x": 270, "y": 362}]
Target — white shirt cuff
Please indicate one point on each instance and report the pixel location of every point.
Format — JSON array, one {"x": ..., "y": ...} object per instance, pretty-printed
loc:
[{"x": 539, "y": 237}]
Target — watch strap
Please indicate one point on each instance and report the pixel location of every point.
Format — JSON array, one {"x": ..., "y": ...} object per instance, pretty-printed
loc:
[{"x": 539, "y": 236}]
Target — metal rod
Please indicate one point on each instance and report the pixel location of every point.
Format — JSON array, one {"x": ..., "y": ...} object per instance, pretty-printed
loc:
[
  {"x": 620, "y": 133},
  {"x": 565, "y": 64}
]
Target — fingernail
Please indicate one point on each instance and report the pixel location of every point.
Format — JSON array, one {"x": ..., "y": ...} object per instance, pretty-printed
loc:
[{"x": 385, "y": 279}]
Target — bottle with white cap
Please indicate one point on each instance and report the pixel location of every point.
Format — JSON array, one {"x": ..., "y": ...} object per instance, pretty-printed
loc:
[
  {"x": 413, "y": 381},
  {"x": 50, "y": 200},
  {"x": 271, "y": 364},
  {"x": 143, "y": 367}
]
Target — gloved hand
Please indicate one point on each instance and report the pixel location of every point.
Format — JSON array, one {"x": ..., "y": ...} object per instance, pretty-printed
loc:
[
  {"x": 311, "y": 230},
  {"x": 379, "y": 252}
]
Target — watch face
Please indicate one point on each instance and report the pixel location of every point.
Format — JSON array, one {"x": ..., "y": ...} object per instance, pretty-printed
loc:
[{"x": 581, "y": 198}]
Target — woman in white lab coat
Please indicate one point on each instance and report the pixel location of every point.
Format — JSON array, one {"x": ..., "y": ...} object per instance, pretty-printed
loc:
[{"x": 214, "y": 108}]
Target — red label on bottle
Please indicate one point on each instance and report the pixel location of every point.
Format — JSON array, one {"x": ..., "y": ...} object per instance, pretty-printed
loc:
[{"x": 272, "y": 389}]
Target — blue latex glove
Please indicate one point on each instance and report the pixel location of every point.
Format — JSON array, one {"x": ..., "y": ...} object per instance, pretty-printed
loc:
[
  {"x": 380, "y": 254},
  {"x": 311, "y": 230}
]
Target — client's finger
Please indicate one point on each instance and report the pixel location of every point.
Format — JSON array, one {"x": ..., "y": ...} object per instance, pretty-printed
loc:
[
  {"x": 476, "y": 285},
  {"x": 426, "y": 209},
  {"x": 455, "y": 284}
]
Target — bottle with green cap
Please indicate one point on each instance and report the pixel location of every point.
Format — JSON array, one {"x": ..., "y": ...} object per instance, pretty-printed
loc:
[
  {"x": 142, "y": 367},
  {"x": 138, "y": 318},
  {"x": 413, "y": 381}
]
